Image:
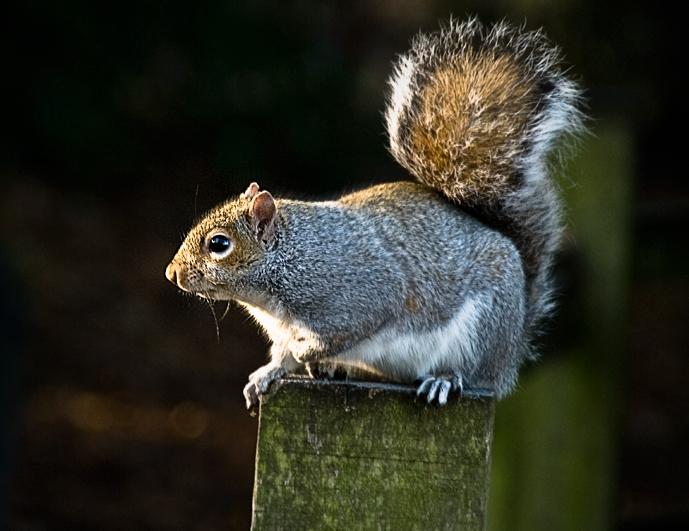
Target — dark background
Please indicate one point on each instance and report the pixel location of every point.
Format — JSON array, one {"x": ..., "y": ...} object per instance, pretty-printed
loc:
[{"x": 122, "y": 122}]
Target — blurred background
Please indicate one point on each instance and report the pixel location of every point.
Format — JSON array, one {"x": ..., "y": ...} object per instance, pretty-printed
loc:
[{"x": 124, "y": 121}]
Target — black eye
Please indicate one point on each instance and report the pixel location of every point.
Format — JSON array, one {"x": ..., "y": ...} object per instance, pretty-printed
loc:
[
  {"x": 219, "y": 243},
  {"x": 219, "y": 246}
]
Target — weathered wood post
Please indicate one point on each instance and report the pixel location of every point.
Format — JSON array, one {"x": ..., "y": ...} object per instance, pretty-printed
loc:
[{"x": 355, "y": 455}]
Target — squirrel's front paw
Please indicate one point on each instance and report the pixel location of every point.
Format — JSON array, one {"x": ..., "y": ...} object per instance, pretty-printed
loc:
[
  {"x": 259, "y": 382},
  {"x": 439, "y": 387}
]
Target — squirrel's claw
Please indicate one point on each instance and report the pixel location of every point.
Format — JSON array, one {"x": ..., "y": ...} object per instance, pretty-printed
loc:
[
  {"x": 437, "y": 388},
  {"x": 259, "y": 383},
  {"x": 250, "y": 395}
]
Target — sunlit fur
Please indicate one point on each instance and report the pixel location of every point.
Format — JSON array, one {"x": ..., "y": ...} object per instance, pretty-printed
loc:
[{"x": 445, "y": 279}]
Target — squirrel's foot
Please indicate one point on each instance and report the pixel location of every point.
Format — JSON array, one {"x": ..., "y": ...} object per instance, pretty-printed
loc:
[
  {"x": 437, "y": 388},
  {"x": 259, "y": 382}
]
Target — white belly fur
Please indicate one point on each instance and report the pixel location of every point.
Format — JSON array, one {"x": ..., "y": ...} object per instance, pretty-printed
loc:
[
  {"x": 402, "y": 356},
  {"x": 407, "y": 356}
]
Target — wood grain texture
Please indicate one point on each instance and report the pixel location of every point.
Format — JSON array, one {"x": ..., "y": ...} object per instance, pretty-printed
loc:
[{"x": 370, "y": 456}]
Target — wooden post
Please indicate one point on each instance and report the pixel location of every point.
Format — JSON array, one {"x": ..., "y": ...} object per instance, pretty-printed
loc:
[{"x": 356, "y": 455}]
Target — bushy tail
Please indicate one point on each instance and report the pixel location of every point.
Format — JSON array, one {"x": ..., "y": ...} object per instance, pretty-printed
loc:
[{"x": 473, "y": 112}]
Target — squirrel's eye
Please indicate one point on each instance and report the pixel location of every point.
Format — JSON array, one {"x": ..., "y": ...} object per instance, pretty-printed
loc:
[{"x": 219, "y": 246}]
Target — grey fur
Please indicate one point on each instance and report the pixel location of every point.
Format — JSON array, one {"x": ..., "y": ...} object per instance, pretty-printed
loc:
[{"x": 396, "y": 280}]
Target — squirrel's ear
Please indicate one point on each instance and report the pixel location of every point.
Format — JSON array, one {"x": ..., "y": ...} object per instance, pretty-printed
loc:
[
  {"x": 251, "y": 191},
  {"x": 262, "y": 214}
]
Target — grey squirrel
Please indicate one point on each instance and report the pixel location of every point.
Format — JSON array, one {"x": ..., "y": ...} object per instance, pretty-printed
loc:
[{"x": 443, "y": 282}]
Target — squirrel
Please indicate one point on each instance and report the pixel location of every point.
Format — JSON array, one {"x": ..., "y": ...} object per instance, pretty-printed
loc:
[{"x": 443, "y": 282}]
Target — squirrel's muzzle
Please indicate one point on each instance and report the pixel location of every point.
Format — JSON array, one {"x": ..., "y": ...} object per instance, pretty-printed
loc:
[
  {"x": 185, "y": 278},
  {"x": 171, "y": 273}
]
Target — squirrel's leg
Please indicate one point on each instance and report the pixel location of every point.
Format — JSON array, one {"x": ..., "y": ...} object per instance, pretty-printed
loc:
[
  {"x": 281, "y": 363},
  {"x": 439, "y": 387}
]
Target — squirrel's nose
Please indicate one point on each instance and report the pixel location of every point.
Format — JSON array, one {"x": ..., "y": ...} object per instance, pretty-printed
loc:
[{"x": 171, "y": 273}]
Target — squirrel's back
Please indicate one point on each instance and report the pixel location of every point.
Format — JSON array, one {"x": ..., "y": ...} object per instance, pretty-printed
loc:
[{"x": 473, "y": 112}]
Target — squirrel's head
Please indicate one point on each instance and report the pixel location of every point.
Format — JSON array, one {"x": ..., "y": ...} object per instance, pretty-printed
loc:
[{"x": 223, "y": 248}]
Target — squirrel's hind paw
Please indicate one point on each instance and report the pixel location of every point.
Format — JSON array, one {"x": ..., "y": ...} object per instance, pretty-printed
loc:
[{"x": 437, "y": 388}]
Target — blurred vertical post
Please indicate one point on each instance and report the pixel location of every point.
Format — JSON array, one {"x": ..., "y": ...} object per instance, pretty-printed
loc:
[
  {"x": 554, "y": 453},
  {"x": 369, "y": 456}
]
